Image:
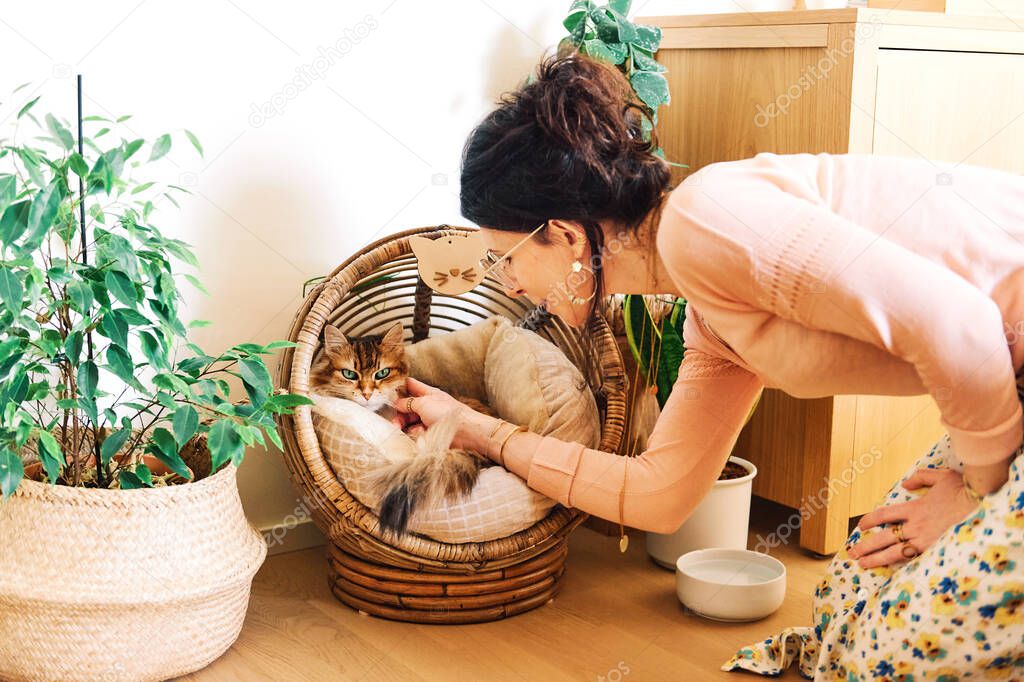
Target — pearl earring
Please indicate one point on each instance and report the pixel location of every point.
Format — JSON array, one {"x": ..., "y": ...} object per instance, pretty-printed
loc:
[{"x": 578, "y": 266}]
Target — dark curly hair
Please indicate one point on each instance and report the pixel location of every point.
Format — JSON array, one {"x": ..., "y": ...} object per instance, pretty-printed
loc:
[{"x": 567, "y": 145}]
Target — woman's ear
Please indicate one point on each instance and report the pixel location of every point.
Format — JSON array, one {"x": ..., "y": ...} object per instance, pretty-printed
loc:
[{"x": 569, "y": 233}]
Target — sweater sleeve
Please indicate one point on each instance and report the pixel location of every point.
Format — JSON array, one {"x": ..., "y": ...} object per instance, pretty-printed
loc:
[
  {"x": 813, "y": 266},
  {"x": 686, "y": 451}
]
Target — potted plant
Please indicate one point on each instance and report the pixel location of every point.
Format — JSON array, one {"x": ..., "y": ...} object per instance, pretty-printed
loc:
[
  {"x": 722, "y": 517},
  {"x": 124, "y": 552}
]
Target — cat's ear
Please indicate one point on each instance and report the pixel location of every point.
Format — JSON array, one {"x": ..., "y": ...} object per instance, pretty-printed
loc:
[
  {"x": 334, "y": 341},
  {"x": 393, "y": 336}
]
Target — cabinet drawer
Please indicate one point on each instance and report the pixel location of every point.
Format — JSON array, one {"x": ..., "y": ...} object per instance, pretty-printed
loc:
[{"x": 952, "y": 106}]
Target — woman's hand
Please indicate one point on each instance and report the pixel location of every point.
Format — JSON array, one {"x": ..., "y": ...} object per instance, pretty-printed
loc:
[
  {"x": 923, "y": 520},
  {"x": 429, "y": 404}
]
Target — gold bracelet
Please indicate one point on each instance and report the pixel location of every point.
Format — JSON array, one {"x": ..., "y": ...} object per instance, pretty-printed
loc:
[
  {"x": 498, "y": 426},
  {"x": 501, "y": 449}
]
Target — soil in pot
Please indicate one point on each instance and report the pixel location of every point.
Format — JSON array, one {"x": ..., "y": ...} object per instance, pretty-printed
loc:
[{"x": 732, "y": 470}]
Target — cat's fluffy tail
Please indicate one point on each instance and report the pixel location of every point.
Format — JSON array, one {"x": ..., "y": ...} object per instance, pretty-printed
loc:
[{"x": 437, "y": 472}]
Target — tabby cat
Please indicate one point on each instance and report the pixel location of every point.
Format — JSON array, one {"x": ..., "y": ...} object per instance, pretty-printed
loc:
[{"x": 371, "y": 371}]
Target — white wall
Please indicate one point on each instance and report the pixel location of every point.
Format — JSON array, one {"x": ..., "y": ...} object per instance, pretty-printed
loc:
[{"x": 371, "y": 147}]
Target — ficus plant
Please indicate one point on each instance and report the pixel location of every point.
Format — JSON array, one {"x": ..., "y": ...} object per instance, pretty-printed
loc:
[{"x": 96, "y": 368}]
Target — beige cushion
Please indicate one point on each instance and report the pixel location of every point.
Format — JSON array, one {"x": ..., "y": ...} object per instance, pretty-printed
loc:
[{"x": 522, "y": 376}]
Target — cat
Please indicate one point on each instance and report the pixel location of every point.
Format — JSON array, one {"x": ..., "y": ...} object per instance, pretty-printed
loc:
[{"x": 371, "y": 371}]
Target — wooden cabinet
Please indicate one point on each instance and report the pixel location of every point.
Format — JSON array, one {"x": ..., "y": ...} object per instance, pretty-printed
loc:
[{"x": 845, "y": 80}]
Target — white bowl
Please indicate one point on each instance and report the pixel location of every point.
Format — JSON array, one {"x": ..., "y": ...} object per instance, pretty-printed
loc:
[{"x": 730, "y": 584}]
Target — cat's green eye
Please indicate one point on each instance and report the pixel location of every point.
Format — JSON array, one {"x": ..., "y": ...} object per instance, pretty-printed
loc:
[
  {"x": 381, "y": 373},
  {"x": 349, "y": 374}
]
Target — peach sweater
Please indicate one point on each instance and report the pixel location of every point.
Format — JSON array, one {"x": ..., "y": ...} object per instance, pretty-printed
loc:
[{"x": 820, "y": 275}]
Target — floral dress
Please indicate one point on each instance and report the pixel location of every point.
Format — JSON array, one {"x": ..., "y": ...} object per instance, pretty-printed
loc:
[{"x": 954, "y": 612}]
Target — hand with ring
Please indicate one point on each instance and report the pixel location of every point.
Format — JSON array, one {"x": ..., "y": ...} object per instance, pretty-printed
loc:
[
  {"x": 424, "y": 405},
  {"x": 914, "y": 525}
]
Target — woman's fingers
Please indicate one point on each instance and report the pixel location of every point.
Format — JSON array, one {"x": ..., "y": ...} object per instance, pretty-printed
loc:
[
  {"x": 889, "y": 555},
  {"x": 880, "y": 539},
  {"x": 887, "y": 514},
  {"x": 417, "y": 387},
  {"x": 923, "y": 478}
]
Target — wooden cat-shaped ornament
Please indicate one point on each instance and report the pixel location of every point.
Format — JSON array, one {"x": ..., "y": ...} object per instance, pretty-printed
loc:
[{"x": 450, "y": 264}]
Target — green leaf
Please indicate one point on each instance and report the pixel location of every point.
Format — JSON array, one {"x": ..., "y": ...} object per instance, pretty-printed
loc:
[
  {"x": 80, "y": 294},
  {"x": 170, "y": 382},
  {"x": 151, "y": 349},
  {"x": 11, "y": 290},
  {"x": 88, "y": 376},
  {"x": 78, "y": 165},
  {"x": 165, "y": 448},
  {"x": 132, "y": 147},
  {"x": 620, "y": 6},
  {"x": 256, "y": 379},
  {"x": 60, "y": 132},
  {"x": 43, "y": 211},
  {"x": 195, "y": 141},
  {"x": 282, "y": 404},
  {"x": 28, "y": 105},
  {"x": 50, "y": 455},
  {"x": 274, "y": 345},
  {"x": 121, "y": 363},
  {"x": 8, "y": 190},
  {"x": 161, "y": 146},
  {"x": 196, "y": 324},
  {"x": 642, "y": 62},
  {"x": 115, "y": 328},
  {"x": 647, "y": 37},
  {"x": 14, "y": 221},
  {"x": 197, "y": 284},
  {"x": 122, "y": 287},
  {"x": 185, "y": 423},
  {"x": 129, "y": 480},
  {"x": 73, "y": 347},
  {"x": 142, "y": 188},
  {"x": 11, "y": 471},
  {"x": 113, "y": 444},
  {"x": 225, "y": 444},
  {"x": 671, "y": 351},
  {"x": 650, "y": 87}
]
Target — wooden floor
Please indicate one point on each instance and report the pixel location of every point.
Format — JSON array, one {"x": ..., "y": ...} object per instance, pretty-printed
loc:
[{"x": 615, "y": 618}]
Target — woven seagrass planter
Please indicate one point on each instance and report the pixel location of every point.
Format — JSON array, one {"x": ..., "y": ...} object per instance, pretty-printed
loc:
[
  {"x": 415, "y": 578},
  {"x": 134, "y": 585}
]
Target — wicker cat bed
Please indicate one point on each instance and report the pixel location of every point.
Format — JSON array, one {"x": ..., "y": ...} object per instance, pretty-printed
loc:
[{"x": 415, "y": 578}]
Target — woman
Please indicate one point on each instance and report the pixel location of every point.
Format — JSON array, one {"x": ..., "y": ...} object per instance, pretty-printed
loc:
[{"x": 815, "y": 274}]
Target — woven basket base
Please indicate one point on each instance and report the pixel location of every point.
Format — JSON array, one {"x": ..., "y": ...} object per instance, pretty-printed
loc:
[{"x": 444, "y": 598}]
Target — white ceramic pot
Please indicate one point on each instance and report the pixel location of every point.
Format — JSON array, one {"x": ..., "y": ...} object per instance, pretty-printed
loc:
[{"x": 720, "y": 520}]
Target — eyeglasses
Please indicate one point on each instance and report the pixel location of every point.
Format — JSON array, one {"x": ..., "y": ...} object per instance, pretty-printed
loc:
[{"x": 500, "y": 268}]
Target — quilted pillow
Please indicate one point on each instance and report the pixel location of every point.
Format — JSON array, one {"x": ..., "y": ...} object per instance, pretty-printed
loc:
[{"x": 523, "y": 377}]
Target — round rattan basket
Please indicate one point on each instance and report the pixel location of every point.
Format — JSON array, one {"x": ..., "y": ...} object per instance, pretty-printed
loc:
[{"x": 415, "y": 578}]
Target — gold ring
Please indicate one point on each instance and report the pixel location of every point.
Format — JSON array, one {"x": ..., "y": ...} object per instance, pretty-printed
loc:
[
  {"x": 408, "y": 404},
  {"x": 909, "y": 551},
  {"x": 897, "y": 530}
]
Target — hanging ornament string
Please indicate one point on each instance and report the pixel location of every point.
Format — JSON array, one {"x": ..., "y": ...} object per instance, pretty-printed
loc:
[{"x": 653, "y": 365}]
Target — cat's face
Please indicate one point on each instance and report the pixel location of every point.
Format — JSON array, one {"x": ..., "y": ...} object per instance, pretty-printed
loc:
[{"x": 370, "y": 370}]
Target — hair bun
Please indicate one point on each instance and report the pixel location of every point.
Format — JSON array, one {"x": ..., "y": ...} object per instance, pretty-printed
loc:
[{"x": 568, "y": 144}]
